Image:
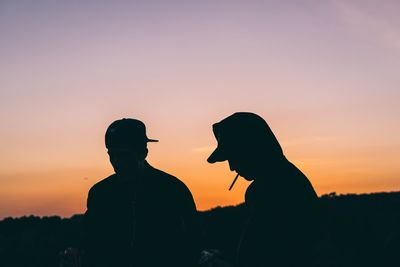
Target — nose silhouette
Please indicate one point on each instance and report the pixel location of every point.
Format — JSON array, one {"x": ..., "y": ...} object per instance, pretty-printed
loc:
[{"x": 232, "y": 166}]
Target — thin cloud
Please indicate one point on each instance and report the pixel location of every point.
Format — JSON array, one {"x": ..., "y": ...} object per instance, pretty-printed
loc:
[
  {"x": 303, "y": 141},
  {"x": 377, "y": 27},
  {"x": 293, "y": 142},
  {"x": 204, "y": 149}
]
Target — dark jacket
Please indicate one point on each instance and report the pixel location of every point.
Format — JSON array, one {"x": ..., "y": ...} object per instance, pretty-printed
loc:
[
  {"x": 284, "y": 219},
  {"x": 151, "y": 224}
]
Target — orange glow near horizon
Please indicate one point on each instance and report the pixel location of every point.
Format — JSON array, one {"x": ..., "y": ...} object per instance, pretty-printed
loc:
[
  {"x": 64, "y": 192},
  {"x": 323, "y": 74}
]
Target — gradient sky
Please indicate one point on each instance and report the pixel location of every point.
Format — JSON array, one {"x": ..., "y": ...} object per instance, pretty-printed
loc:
[{"x": 324, "y": 74}]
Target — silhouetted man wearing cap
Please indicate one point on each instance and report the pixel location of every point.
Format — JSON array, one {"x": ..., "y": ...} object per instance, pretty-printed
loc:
[
  {"x": 282, "y": 204},
  {"x": 139, "y": 216}
]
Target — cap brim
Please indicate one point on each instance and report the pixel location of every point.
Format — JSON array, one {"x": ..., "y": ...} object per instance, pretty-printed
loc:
[{"x": 216, "y": 156}]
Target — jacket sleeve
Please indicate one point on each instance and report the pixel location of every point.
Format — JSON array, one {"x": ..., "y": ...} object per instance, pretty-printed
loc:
[
  {"x": 92, "y": 236},
  {"x": 190, "y": 227}
]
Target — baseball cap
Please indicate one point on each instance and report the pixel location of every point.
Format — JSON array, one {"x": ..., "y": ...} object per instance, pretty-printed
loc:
[{"x": 126, "y": 132}]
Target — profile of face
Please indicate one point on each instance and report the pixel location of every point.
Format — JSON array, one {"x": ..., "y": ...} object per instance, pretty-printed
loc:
[
  {"x": 248, "y": 144},
  {"x": 124, "y": 161},
  {"x": 241, "y": 164}
]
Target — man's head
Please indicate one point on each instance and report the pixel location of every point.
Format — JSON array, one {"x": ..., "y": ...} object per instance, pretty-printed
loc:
[
  {"x": 245, "y": 141},
  {"x": 126, "y": 141}
]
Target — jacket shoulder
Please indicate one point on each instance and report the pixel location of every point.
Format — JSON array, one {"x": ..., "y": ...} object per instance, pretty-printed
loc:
[
  {"x": 102, "y": 184},
  {"x": 99, "y": 190},
  {"x": 172, "y": 186}
]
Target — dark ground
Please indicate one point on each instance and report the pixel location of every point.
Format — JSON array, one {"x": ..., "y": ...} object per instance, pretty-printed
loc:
[{"x": 360, "y": 230}]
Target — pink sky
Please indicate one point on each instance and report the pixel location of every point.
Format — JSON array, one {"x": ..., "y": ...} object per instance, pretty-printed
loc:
[{"x": 325, "y": 75}]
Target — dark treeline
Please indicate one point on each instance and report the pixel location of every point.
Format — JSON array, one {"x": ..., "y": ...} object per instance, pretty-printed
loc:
[{"x": 359, "y": 230}]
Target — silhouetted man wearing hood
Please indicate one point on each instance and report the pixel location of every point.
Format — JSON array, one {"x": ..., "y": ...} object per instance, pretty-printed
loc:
[
  {"x": 282, "y": 204},
  {"x": 139, "y": 216}
]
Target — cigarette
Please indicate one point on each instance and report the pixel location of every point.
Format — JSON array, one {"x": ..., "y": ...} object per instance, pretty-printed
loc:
[{"x": 234, "y": 181}]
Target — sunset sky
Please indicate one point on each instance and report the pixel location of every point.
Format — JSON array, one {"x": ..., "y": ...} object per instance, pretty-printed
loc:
[{"x": 324, "y": 74}]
